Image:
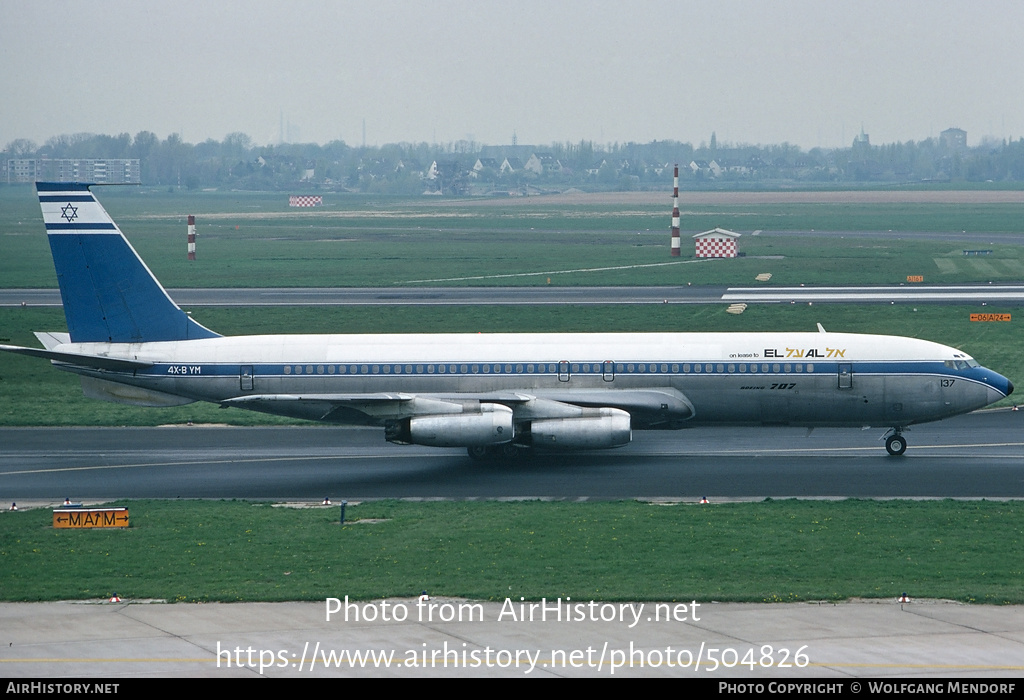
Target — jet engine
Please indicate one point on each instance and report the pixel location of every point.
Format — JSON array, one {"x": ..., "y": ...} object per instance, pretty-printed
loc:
[
  {"x": 609, "y": 428},
  {"x": 491, "y": 426}
]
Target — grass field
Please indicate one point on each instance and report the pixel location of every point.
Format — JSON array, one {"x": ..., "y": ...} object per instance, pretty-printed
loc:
[
  {"x": 773, "y": 551},
  {"x": 255, "y": 239}
]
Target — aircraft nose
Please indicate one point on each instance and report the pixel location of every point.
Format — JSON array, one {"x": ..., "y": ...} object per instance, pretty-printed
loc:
[{"x": 1009, "y": 387}]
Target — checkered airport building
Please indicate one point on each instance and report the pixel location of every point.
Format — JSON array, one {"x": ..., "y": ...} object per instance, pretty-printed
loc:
[
  {"x": 716, "y": 243},
  {"x": 305, "y": 200}
]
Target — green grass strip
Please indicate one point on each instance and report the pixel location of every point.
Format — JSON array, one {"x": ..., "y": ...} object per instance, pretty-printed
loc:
[{"x": 759, "y": 552}]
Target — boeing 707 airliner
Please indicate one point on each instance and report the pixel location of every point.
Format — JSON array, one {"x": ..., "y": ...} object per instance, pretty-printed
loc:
[{"x": 498, "y": 395}]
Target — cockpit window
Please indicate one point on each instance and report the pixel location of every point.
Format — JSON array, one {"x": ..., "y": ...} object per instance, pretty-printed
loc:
[{"x": 961, "y": 364}]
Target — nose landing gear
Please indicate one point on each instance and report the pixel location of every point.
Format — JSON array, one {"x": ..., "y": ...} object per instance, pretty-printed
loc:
[{"x": 895, "y": 443}]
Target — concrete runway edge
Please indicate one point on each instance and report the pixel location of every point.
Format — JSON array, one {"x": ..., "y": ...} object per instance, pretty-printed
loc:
[{"x": 882, "y": 639}]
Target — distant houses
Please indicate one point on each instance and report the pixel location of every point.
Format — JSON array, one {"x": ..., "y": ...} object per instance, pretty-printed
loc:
[
  {"x": 706, "y": 168},
  {"x": 540, "y": 163},
  {"x": 466, "y": 167},
  {"x": 511, "y": 165},
  {"x": 484, "y": 165}
]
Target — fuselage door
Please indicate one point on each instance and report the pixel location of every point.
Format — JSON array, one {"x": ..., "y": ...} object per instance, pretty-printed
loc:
[
  {"x": 245, "y": 377},
  {"x": 608, "y": 370},
  {"x": 563, "y": 371},
  {"x": 845, "y": 375}
]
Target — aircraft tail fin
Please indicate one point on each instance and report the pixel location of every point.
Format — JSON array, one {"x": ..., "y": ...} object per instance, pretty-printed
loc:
[{"x": 109, "y": 293}]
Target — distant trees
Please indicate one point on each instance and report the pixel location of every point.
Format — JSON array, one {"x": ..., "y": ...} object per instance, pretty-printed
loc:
[
  {"x": 236, "y": 162},
  {"x": 21, "y": 148}
]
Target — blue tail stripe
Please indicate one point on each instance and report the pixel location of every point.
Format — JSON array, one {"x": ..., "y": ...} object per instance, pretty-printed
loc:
[
  {"x": 81, "y": 227},
  {"x": 63, "y": 187},
  {"x": 67, "y": 198}
]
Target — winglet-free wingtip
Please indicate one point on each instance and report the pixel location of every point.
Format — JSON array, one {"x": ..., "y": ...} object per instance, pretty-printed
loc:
[{"x": 821, "y": 329}]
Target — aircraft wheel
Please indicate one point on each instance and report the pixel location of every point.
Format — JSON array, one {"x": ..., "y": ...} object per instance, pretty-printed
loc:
[
  {"x": 509, "y": 451},
  {"x": 896, "y": 445},
  {"x": 479, "y": 452}
]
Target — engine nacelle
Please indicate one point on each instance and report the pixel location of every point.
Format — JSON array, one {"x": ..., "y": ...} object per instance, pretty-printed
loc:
[
  {"x": 491, "y": 426},
  {"x": 609, "y": 428}
]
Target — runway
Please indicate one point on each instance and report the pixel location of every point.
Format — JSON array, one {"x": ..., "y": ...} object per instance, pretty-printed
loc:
[
  {"x": 980, "y": 455},
  {"x": 506, "y": 296},
  {"x": 412, "y": 296}
]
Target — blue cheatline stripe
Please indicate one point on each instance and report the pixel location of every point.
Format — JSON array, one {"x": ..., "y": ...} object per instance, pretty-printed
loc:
[
  {"x": 397, "y": 371},
  {"x": 519, "y": 368}
]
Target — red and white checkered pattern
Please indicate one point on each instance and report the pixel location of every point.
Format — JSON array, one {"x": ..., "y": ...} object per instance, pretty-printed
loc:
[
  {"x": 716, "y": 247},
  {"x": 305, "y": 200}
]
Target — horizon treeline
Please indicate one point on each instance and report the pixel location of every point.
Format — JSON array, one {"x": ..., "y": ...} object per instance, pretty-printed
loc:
[{"x": 464, "y": 167}]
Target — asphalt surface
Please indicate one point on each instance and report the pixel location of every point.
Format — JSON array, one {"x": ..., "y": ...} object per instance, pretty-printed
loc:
[
  {"x": 504, "y": 296},
  {"x": 980, "y": 455}
]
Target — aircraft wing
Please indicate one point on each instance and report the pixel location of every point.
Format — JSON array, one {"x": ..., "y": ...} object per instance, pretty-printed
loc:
[
  {"x": 646, "y": 406},
  {"x": 369, "y": 409}
]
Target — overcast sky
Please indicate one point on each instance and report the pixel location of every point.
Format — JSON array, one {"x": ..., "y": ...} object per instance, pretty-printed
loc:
[{"x": 807, "y": 72}]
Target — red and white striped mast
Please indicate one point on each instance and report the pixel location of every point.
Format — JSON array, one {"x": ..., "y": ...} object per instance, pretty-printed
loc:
[
  {"x": 676, "y": 244},
  {"x": 191, "y": 237}
]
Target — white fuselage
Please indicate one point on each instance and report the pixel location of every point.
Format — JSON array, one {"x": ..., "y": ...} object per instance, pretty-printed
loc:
[{"x": 797, "y": 378}]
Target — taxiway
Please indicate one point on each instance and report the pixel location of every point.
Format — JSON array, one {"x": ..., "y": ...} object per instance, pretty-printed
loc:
[{"x": 980, "y": 455}]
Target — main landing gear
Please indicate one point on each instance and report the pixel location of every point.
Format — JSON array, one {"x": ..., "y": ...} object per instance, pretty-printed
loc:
[
  {"x": 896, "y": 444},
  {"x": 496, "y": 453}
]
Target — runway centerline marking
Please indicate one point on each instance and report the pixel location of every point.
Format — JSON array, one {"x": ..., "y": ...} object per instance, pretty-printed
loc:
[
  {"x": 681, "y": 455},
  {"x": 194, "y": 464},
  {"x": 785, "y": 450},
  {"x": 556, "y": 272}
]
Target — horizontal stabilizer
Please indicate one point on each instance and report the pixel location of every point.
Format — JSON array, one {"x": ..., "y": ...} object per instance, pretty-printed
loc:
[
  {"x": 50, "y": 339},
  {"x": 93, "y": 361}
]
